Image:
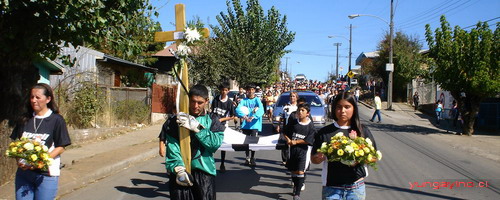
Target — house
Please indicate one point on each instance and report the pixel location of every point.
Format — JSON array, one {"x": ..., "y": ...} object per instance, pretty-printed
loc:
[
  {"x": 164, "y": 89},
  {"x": 109, "y": 74},
  {"x": 366, "y": 58},
  {"x": 46, "y": 68},
  {"x": 97, "y": 67}
]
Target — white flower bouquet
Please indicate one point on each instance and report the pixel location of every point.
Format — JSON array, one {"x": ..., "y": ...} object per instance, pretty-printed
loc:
[{"x": 351, "y": 150}]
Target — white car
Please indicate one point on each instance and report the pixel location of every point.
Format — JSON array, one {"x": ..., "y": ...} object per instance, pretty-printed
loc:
[
  {"x": 300, "y": 77},
  {"x": 354, "y": 81}
]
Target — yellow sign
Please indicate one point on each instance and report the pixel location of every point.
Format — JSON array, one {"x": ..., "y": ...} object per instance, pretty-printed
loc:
[{"x": 350, "y": 74}]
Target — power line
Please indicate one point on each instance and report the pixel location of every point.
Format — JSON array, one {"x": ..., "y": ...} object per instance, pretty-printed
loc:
[
  {"x": 481, "y": 22},
  {"x": 456, "y": 11},
  {"x": 435, "y": 14},
  {"x": 315, "y": 54},
  {"x": 424, "y": 39},
  {"x": 420, "y": 15}
]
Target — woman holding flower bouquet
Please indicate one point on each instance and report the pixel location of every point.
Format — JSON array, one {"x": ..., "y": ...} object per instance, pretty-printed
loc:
[
  {"x": 344, "y": 147},
  {"x": 44, "y": 136}
]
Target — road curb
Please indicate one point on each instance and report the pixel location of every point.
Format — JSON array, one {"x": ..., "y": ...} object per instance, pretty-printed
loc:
[{"x": 365, "y": 104}]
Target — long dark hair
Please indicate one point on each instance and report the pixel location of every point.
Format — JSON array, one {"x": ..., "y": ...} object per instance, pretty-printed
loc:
[{"x": 355, "y": 123}]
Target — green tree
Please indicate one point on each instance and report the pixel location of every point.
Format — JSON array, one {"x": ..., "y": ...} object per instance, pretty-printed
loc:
[
  {"x": 247, "y": 44},
  {"x": 32, "y": 30},
  {"x": 466, "y": 62},
  {"x": 407, "y": 62}
]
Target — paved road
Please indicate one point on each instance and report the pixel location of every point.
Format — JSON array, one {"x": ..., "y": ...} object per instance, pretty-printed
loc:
[{"x": 409, "y": 157}]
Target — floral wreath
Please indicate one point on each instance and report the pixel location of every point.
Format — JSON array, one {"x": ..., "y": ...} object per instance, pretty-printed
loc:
[{"x": 192, "y": 36}]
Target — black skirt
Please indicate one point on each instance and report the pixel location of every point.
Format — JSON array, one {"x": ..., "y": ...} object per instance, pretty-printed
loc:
[{"x": 203, "y": 187}]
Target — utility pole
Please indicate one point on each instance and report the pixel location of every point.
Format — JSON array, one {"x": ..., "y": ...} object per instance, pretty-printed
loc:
[
  {"x": 286, "y": 65},
  {"x": 389, "y": 92},
  {"x": 350, "y": 53},
  {"x": 337, "y": 69}
]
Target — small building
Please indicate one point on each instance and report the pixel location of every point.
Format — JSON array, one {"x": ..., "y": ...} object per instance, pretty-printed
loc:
[
  {"x": 165, "y": 86},
  {"x": 366, "y": 58},
  {"x": 109, "y": 74},
  {"x": 46, "y": 68}
]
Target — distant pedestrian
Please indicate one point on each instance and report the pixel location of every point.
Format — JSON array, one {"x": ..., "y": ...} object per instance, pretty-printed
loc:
[
  {"x": 251, "y": 110},
  {"x": 356, "y": 94},
  {"x": 270, "y": 100},
  {"x": 299, "y": 134},
  {"x": 454, "y": 113},
  {"x": 41, "y": 123},
  {"x": 206, "y": 134},
  {"x": 378, "y": 107},
  {"x": 439, "y": 111},
  {"x": 223, "y": 107},
  {"x": 258, "y": 92},
  {"x": 342, "y": 181},
  {"x": 237, "y": 98},
  {"x": 416, "y": 100}
]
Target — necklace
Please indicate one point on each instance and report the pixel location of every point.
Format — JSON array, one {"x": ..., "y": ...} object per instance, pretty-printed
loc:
[{"x": 34, "y": 124}]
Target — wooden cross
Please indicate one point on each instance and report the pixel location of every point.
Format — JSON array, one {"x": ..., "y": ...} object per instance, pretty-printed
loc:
[{"x": 177, "y": 36}]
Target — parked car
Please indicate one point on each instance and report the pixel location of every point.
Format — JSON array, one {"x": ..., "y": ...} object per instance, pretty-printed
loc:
[
  {"x": 318, "y": 107},
  {"x": 354, "y": 81},
  {"x": 232, "y": 93}
]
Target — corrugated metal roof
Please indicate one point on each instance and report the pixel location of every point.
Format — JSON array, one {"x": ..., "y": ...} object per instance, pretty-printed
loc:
[
  {"x": 108, "y": 58},
  {"x": 364, "y": 55},
  {"x": 372, "y": 54}
]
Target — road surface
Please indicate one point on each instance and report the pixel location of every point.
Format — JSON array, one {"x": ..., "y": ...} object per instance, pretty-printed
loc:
[{"x": 413, "y": 167}]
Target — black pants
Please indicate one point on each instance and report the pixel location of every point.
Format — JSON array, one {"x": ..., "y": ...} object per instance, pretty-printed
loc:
[
  {"x": 203, "y": 187},
  {"x": 250, "y": 132}
]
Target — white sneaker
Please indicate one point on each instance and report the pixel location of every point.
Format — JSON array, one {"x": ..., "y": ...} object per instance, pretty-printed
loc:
[
  {"x": 303, "y": 187},
  {"x": 252, "y": 162}
]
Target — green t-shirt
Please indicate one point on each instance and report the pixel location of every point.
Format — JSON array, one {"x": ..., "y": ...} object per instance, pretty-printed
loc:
[{"x": 203, "y": 144}]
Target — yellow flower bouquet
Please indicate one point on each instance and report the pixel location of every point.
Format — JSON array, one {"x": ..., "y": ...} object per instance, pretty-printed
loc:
[
  {"x": 351, "y": 150},
  {"x": 30, "y": 152}
]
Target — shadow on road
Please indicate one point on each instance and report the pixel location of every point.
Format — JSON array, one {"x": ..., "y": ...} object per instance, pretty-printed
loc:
[
  {"x": 152, "y": 188},
  {"x": 424, "y": 195},
  {"x": 250, "y": 180},
  {"x": 404, "y": 128}
]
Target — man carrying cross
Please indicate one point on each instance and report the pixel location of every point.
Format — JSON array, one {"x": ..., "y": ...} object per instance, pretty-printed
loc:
[
  {"x": 191, "y": 138},
  {"x": 206, "y": 134}
]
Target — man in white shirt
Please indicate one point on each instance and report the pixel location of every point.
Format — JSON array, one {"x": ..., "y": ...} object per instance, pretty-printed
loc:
[{"x": 378, "y": 106}]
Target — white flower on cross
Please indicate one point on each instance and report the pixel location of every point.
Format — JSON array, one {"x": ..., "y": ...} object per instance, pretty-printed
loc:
[
  {"x": 183, "y": 50},
  {"x": 192, "y": 35}
]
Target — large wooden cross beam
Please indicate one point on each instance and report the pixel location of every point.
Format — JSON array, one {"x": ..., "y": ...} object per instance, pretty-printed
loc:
[{"x": 177, "y": 36}]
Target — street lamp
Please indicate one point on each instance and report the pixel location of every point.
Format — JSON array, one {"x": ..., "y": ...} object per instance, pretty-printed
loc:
[{"x": 390, "y": 66}]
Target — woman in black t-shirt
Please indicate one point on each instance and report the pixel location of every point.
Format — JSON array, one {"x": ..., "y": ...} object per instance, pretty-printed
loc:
[
  {"x": 342, "y": 181},
  {"x": 41, "y": 123}
]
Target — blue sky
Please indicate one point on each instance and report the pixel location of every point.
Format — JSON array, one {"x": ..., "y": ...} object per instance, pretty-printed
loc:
[{"x": 313, "y": 53}]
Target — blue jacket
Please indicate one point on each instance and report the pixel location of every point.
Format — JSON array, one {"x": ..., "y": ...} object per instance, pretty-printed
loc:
[{"x": 256, "y": 123}]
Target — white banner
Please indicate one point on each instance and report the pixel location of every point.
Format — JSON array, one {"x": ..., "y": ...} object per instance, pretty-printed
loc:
[{"x": 237, "y": 141}]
